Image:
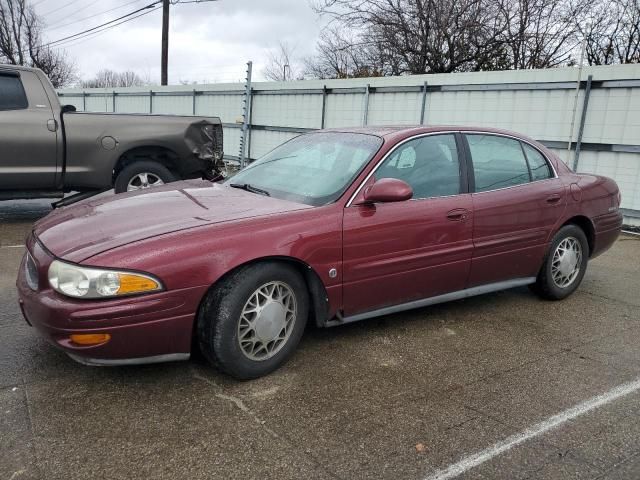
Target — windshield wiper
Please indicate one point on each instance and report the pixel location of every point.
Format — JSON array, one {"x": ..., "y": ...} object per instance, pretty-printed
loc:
[{"x": 250, "y": 188}]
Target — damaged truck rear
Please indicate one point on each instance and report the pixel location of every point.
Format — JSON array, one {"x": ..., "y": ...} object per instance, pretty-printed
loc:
[{"x": 47, "y": 149}]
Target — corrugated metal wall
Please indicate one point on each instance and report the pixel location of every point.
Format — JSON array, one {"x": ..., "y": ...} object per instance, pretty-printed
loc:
[{"x": 539, "y": 103}]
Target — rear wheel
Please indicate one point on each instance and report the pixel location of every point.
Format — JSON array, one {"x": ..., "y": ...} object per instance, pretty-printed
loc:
[
  {"x": 251, "y": 323},
  {"x": 142, "y": 175},
  {"x": 565, "y": 264}
]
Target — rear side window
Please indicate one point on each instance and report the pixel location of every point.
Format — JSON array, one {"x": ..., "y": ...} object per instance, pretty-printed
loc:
[
  {"x": 539, "y": 167},
  {"x": 12, "y": 96},
  {"x": 498, "y": 162}
]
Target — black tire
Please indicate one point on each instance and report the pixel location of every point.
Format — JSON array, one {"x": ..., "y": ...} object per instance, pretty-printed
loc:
[
  {"x": 220, "y": 315},
  {"x": 545, "y": 286},
  {"x": 142, "y": 166}
]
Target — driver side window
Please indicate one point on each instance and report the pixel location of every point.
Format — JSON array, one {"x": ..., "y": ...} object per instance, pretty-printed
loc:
[{"x": 429, "y": 164}]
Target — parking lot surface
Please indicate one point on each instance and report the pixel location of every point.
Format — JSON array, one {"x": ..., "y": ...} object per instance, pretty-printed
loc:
[{"x": 503, "y": 386}]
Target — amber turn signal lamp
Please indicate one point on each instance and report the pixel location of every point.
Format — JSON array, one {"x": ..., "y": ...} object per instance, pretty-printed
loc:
[
  {"x": 90, "y": 338},
  {"x": 135, "y": 284}
]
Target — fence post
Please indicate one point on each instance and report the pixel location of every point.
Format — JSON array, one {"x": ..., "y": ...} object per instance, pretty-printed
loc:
[
  {"x": 324, "y": 105},
  {"x": 424, "y": 102},
  {"x": 245, "y": 114},
  {"x": 193, "y": 106},
  {"x": 84, "y": 101},
  {"x": 150, "y": 101},
  {"x": 250, "y": 131},
  {"x": 583, "y": 117},
  {"x": 365, "y": 117},
  {"x": 114, "y": 101}
]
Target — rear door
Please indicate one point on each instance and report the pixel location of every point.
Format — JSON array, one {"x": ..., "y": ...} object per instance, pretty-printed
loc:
[
  {"x": 517, "y": 200},
  {"x": 28, "y": 133},
  {"x": 395, "y": 253}
]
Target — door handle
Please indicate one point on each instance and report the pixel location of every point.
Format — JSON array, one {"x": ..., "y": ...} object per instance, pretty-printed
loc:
[
  {"x": 553, "y": 198},
  {"x": 52, "y": 125},
  {"x": 457, "y": 215}
]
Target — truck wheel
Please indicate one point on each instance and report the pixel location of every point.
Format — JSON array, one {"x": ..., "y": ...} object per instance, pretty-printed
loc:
[{"x": 142, "y": 175}]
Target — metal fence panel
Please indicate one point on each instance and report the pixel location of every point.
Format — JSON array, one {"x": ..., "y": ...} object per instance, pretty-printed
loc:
[
  {"x": 394, "y": 108},
  {"x": 288, "y": 110},
  {"x": 344, "y": 110},
  {"x": 133, "y": 104}
]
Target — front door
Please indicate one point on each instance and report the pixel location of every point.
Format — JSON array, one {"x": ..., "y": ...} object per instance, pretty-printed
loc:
[
  {"x": 517, "y": 202},
  {"x": 395, "y": 253},
  {"x": 28, "y": 134}
]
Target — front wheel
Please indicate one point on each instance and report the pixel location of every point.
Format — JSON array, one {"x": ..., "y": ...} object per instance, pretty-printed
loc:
[
  {"x": 251, "y": 323},
  {"x": 565, "y": 264},
  {"x": 141, "y": 175}
]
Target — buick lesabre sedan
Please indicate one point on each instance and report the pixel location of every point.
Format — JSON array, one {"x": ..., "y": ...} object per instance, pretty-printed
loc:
[{"x": 329, "y": 228}]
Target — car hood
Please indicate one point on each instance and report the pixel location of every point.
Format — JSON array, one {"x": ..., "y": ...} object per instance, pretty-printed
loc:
[{"x": 107, "y": 221}]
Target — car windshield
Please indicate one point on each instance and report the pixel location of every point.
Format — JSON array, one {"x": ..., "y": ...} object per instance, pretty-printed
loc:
[{"x": 314, "y": 169}]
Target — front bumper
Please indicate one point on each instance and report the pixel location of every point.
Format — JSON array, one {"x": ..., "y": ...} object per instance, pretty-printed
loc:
[{"x": 144, "y": 329}]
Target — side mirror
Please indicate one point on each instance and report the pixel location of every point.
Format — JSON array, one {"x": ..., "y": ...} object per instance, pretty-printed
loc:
[
  {"x": 68, "y": 108},
  {"x": 388, "y": 190}
]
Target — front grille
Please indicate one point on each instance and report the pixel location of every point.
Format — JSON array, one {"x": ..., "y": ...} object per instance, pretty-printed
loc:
[{"x": 31, "y": 272}]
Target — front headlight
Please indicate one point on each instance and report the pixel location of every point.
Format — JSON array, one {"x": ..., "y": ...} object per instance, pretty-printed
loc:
[{"x": 83, "y": 282}]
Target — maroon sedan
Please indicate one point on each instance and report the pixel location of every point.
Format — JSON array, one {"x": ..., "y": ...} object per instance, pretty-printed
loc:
[{"x": 331, "y": 227}]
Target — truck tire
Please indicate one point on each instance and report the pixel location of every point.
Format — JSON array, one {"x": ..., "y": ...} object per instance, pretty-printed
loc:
[{"x": 142, "y": 175}]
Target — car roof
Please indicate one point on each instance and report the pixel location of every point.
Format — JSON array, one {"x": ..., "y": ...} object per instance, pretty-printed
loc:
[{"x": 409, "y": 130}]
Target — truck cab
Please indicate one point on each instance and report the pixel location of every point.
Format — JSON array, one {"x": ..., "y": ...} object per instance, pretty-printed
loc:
[{"x": 31, "y": 140}]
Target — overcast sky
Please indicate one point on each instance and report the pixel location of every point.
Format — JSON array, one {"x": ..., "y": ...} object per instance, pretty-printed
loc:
[{"x": 208, "y": 41}]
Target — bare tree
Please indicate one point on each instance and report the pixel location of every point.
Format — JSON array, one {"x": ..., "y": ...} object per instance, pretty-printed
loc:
[
  {"x": 281, "y": 64},
  {"x": 21, "y": 43},
  {"x": 541, "y": 33},
  {"x": 340, "y": 54},
  {"x": 613, "y": 32},
  {"x": 110, "y": 78},
  {"x": 420, "y": 36},
  {"x": 394, "y": 37}
]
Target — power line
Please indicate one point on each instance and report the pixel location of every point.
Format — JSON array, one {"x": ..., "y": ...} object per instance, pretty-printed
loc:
[
  {"x": 75, "y": 12},
  {"x": 57, "y": 26},
  {"x": 151, "y": 5},
  {"x": 59, "y": 8},
  {"x": 86, "y": 36}
]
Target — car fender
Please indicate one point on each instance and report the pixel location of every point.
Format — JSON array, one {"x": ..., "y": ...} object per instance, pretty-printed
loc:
[{"x": 202, "y": 256}]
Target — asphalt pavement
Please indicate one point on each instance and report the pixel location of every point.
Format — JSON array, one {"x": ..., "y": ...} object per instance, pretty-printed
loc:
[{"x": 503, "y": 386}]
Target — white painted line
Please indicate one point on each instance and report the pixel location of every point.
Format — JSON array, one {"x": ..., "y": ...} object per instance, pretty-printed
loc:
[
  {"x": 11, "y": 246},
  {"x": 479, "y": 458}
]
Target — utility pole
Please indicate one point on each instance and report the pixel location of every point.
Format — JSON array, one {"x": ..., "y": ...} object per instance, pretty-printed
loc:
[{"x": 164, "y": 60}]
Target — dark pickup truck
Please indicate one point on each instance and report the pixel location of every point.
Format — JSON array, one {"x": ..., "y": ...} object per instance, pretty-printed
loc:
[{"x": 47, "y": 149}]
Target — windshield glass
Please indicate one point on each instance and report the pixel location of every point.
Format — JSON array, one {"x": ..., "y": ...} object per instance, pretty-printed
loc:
[{"x": 314, "y": 169}]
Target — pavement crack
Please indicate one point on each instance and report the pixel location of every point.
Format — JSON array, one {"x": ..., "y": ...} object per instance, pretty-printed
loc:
[
  {"x": 31, "y": 429},
  {"x": 240, "y": 405},
  {"x": 613, "y": 300},
  {"x": 237, "y": 402}
]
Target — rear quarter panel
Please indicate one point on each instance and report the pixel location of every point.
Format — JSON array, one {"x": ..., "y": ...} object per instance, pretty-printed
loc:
[
  {"x": 596, "y": 198},
  {"x": 90, "y": 165}
]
